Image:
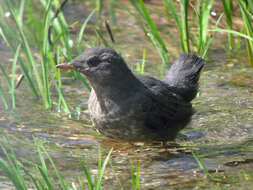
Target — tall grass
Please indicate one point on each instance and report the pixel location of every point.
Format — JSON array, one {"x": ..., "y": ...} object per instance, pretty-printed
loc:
[
  {"x": 24, "y": 174},
  {"x": 202, "y": 40},
  {"x": 52, "y": 39},
  {"x": 142, "y": 15},
  {"x": 10, "y": 82},
  {"x": 181, "y": 24},
  {"x": 29, "y": 66},
  {"x": 246, "y": 8},
  {"x": 187, "y": 38},
  {"x": 228, "y": 9}
]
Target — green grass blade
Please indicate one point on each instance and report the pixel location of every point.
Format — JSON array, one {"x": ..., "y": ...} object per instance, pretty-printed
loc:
[
  {"x": 185, "y": 28},
  {"x": 20, "y": 12},
  {"x": 133, "y": 177},
  {"x": 178, "y": 22},
  {"x": 99, "y": 7},
  {"x": 137, "y": 179},
  {"x": 246, "y": 18},
  {"x": 44, "y": 174},
  {"x": 5, "y": 76},
  {"x": 158, "y": 48},
  {"x": 152, "y": 26},
  {"x": 250, "y": 4},
  {"x": 203, "y": 24},
  {"x": 44, "y": 53},
  {"x": 80, "y": 35},
  {"x": 250, "y": 52},
  {"x": 33, "y": 178},
  {"x": 12, "y": 175},
  {"x": 43, "y": 170},
  {"x": 60, "y": 26},
  {"x": 208, "y": 43},
  {"x": 143, "y": 61},
  {"x": 81, "y": 184},
  {"x": 99, "y": 167},
  {"x": 13, "y": 72},
  {"x": 249, "y": 28},
  {"x": 12, "y": 167},
  {"x": 100, "y": 35},
  {"x": 4, "y": 34},
  {"x": 63, "y": 183},
  {"x": 6, "y": 26},
  {"x": 199, "y": 161},
  {"x": 59, "y": 85},
  {"x": 232, "y": 32},
  {"x": 88, "y": 176},
  {"x": 167, "y": 8},
  {"x": 29, "y": 56},
  {"x": 137, "y": 7},
  {"x": 4, "y": 97},
  {"x": 101, "y": 171},
  {"x": 201, "y": 40},
  {"x": 227, "y": 4}
]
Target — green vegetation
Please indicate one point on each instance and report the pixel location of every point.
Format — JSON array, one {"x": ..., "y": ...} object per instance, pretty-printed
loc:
[
  {"x": 228, "y": 10},
  {"x": 51, "y": 37},
  {"x": 246, "y": 8},
  {"x": 181, "y": 17},
  {"x": 181, "y": 24},
  {"x": 38, "y": 37},
  {"x": 218, "y": 179},
  {"x": 25, "y": 173},
  {"x": 148, "y": 25},
  {"x": 43, "y": 174}
]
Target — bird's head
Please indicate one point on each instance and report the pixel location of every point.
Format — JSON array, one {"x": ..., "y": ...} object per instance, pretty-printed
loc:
[{"x": 97, "y": 63}]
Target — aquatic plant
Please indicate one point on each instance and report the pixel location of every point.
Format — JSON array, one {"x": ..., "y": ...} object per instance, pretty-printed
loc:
[
  {"x": 246, "y": 8},
  {"x": 148, "y": 25},
  {"x": 228, "y": 10},
  {"x": 203, "y": 39},
  {"x": 181, "y": 24},
  {"x": 51, "y": 36},
  {"x": 218, "y": 180},
  {"x": 26, "y": 173}
]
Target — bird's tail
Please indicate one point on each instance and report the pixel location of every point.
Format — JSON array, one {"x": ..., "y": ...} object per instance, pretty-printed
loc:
[{"x": 184, "y": 74}]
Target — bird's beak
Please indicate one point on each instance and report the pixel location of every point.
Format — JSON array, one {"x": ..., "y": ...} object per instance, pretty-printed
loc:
[{"x": 66, "y": 66}]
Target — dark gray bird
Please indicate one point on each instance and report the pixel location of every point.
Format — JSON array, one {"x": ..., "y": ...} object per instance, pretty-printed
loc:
[{"x": 137, "y": 108}]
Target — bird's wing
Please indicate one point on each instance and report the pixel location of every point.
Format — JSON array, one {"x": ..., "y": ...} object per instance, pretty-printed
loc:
[{"x": 165, "y": 106}]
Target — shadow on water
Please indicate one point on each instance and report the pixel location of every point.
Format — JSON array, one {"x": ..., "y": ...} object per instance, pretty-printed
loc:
[{"x": 221, "y": 129}]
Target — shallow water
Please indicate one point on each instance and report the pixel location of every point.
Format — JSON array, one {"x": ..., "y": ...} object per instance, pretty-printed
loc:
[{"x": 221, "y": 130}]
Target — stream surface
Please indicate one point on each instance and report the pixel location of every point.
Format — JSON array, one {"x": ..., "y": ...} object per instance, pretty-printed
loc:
[{"x": 221, "y": 130}]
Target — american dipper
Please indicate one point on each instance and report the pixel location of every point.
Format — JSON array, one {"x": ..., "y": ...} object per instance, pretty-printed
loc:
[{"x": 137, "y": 108}]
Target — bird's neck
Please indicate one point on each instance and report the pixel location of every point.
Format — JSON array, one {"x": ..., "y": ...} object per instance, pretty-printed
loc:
[{"x": 116, "y": 89}]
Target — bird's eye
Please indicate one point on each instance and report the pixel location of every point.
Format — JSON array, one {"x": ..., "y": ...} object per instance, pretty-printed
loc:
[{"x": 93, "y": 62}]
